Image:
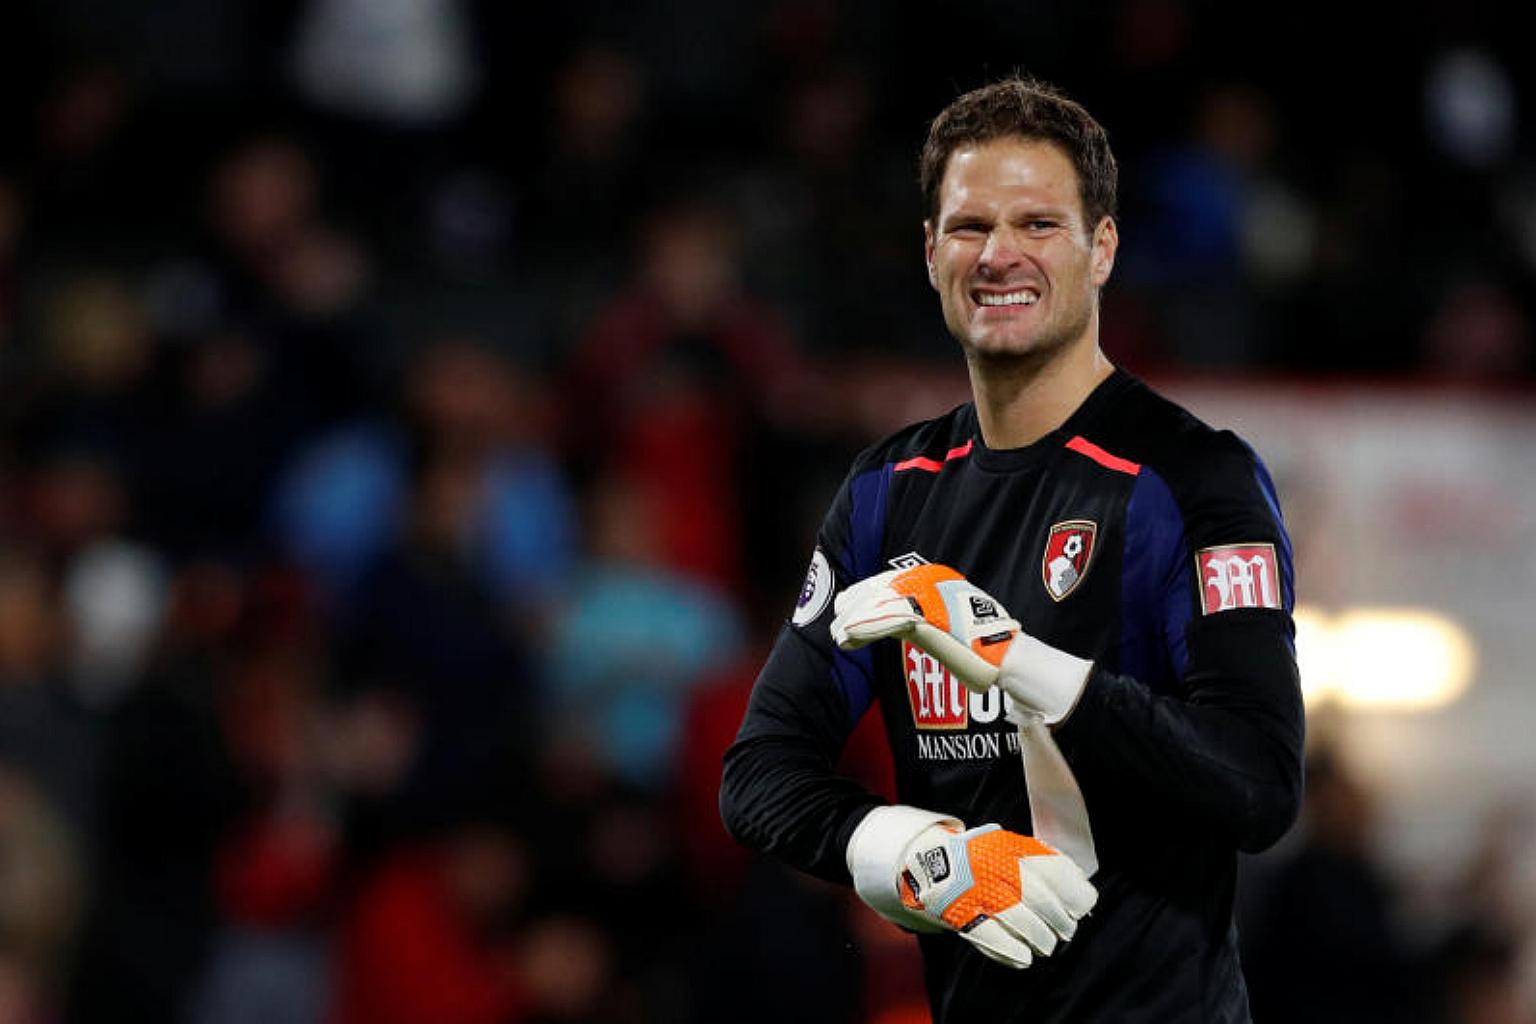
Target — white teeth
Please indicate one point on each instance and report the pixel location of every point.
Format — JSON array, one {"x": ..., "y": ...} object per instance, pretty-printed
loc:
[{"x": 1010, "y": 299}]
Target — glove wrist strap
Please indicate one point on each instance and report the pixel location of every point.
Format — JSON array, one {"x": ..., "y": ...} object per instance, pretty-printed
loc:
[
  {"x": 875, "y": 853},
  {"x": 1043, "y": 678}
]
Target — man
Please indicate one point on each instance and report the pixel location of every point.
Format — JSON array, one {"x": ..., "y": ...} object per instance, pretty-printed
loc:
[{"x": 1074, "y": 568}]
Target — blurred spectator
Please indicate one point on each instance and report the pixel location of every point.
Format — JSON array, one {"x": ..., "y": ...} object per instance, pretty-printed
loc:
[
  {"x": 41, "y": 889},
  {"x": 75, "y": 500},
  {"x": 12, "y": 221},
  {"x": 217, "y": 440},
  {"x": 831, "y": 227},
  {"x": 1192, "y": 253},
  {"x": 275, "y": 873},
  {"x": 343, "y": 499},
  {"x": 622, "y": 699},
  {"x": 168, "y": 793},
  {"x": 608, "y": 868},
  {"x": 83, "y": 166},
  {"x": 568, "y": 969},
  {"x": 282, "y": 270},
  {"x": 426, "y": 938},
  {"x": 21, "y": 1001},
  {"x": 1480, "y": 965},
  {"x": 1478, "y": 333},
  {"x": 73, "y": 503},
  {"x": 585, "y": 190},
  {"x": 1324, "y": 944},
  {"x": 407, "y": 62},
  {"x": 114, "y": 601},
  {"x": 666, "y": 384},
  {"x": 429, "y": 633},
  {"x": 1478, "y": 978},
  {"x": 387, "y": 86},
  {"x": 1469, "y": 107},
  {"x": 45, "y": 734},
  {"x": 89, "y": 382},
  {"x": 715, "y": 861}
]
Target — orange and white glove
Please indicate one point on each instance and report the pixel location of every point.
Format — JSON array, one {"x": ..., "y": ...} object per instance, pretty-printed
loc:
[
  {"x": 1009, "y": 895},
  {"x": 939, "y": 610}
]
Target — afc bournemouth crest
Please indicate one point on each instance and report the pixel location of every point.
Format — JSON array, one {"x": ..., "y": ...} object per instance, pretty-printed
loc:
[{"x": 1068, "y": 552}]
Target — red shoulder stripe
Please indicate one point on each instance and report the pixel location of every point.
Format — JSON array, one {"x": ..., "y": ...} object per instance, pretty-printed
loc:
[
  {"x": 1083, "y": 446},
  {"x": 933, "y": 465}
]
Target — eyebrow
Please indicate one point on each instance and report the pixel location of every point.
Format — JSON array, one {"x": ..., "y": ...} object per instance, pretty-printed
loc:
[{"x": 963, "y": 216}]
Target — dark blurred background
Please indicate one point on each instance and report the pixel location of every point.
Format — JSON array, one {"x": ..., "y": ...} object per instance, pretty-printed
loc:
[{"x": 415, "y": 416}]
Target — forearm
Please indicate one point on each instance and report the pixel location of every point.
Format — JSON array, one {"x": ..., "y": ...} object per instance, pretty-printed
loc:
[
  {"x": 784, "y": 800},
  {"x": 780, "y": 792},
  {"x": 1226, "y": 755}
]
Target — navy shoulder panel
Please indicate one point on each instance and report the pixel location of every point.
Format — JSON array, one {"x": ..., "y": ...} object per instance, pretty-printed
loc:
[
  {"x": 1222, "y": 490},
  {"x": 927, "y": 444},
  {"x": 1195, "y": 459}
]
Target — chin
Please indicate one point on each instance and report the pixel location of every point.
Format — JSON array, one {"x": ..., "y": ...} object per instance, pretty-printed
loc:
[{"x": 1032, "y": 347}]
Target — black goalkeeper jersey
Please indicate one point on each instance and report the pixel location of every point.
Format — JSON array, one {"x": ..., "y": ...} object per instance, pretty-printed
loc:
[{"x": 1137, "y": 537}]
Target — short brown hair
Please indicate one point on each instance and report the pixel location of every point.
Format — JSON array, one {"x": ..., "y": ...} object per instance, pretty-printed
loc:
[{"x": 1030, "y": 109}]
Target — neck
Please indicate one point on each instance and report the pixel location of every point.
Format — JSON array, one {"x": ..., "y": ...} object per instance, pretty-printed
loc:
[{"x": 1020, "y": 400}]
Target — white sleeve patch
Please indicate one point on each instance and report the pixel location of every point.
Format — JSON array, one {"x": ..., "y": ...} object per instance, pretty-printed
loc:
[{"x": 815, "y": 592}]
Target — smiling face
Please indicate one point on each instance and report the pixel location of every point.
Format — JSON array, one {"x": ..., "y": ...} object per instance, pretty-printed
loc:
[{"x": 1016, "y": 267}]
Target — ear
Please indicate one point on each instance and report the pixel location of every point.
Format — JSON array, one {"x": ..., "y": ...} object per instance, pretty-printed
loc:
[
  {"x": 928, "y": 253},
  {"x": 1106, "y": 242}
]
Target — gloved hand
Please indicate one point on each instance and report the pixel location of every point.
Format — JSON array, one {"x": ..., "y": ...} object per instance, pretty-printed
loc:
[
  {"x": 946, "y": 615},
  {"x": 1009, "y": 895}
]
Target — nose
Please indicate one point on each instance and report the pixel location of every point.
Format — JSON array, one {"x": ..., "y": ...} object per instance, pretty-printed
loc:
[{"x": 1001, "y": 252}]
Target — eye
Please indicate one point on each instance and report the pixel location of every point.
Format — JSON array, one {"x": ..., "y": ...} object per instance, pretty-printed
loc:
[
  {"x": 1041, "y": 224},
  {"x": 969, "y": 227}
]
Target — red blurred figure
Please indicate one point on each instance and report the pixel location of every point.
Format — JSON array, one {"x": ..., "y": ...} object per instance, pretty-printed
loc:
[
  {"x": 665, "y": 381},
  {"x": 415, "y": 949}
]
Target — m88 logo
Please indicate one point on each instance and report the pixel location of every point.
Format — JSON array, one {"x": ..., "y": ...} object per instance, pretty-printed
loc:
[{"x": 939, "y": 700}]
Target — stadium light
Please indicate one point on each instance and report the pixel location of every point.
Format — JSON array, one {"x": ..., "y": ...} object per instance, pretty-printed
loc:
[{"x": 1383, "y": 659}]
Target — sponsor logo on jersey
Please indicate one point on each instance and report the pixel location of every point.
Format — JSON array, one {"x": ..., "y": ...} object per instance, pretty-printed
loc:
[
  {"x": 1238, "y": 576},
  {"x": 907, "y": 561},
  {"x": 1068, "y": 554},
  {"x": 966, "y": 746},
  {"x": 815, "y": 592},
  {"x": 939, "y": 701}
]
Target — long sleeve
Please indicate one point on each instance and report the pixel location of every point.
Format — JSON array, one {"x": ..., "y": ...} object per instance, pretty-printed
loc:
[
  {"x": 780, "y": 792},
  {"x": 1210, "y": 575},
  {"x": 1226, "y": 755}
]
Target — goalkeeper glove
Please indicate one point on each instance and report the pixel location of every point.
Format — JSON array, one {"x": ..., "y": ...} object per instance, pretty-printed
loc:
[
  {"x": 1009, "y": 895},
  {"x": 946, "y": 615}
]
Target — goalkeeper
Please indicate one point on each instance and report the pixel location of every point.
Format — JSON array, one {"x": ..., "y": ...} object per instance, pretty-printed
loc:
[{"x": 1071, "y": 601}]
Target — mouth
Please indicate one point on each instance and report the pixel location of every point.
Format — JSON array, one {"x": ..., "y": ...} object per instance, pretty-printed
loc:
[{"x": 1017, "y": 298}]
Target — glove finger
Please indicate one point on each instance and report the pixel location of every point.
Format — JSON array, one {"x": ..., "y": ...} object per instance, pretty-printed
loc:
[
  {"x": 996, "y": 943},
  {"x": 862, "y": 590},
  {"x": 1041, "y": 898},
  {"x": 1068, "y": 881},
  {"x": 1055, "y": 892},
  {"x": 968, "y": 666},
  {"x": 866, "y": 623},
  {"x": 1021, "y": 920}
]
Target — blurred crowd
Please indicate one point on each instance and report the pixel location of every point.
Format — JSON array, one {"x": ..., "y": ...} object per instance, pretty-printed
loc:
[{"x": 415, "y": 418}]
